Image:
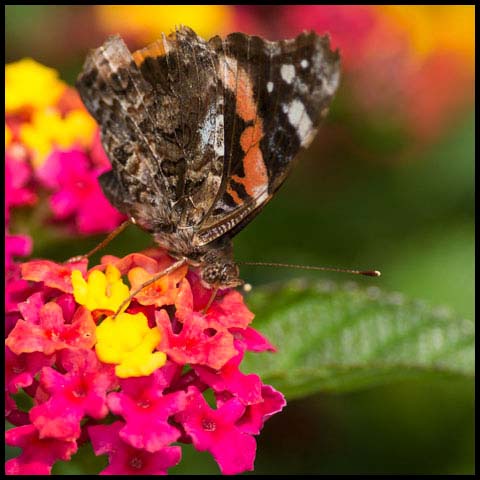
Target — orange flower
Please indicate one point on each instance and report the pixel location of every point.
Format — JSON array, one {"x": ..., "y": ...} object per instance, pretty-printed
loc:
[{"x": 163, "y": 292}]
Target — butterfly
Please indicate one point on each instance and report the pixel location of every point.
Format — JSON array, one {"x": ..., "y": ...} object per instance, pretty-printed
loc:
[{"x": 201, "y": 134}]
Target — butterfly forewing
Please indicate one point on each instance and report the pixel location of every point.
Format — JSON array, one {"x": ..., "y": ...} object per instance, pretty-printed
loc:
[{"x": 277, "y": 93}]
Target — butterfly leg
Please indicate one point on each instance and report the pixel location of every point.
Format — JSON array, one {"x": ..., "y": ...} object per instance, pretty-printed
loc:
[
  {"x": 102, "y": 244},
  {"x": 212, "y": 298},
  {"x": 182, "y": 261}
]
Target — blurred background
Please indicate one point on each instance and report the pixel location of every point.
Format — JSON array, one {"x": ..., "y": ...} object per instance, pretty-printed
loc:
[{"x": 387, "y": 184}]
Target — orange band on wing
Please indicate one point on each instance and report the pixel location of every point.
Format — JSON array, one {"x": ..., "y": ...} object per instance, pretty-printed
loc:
[
  {"x": 237, "y": 80},
  {"x": 235, "y": 196},
  {"x": 255, "y": 179},
  {"x": 251, "y": 136}
]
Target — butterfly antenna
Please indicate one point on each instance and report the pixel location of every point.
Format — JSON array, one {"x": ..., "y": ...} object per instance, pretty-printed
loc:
[{"x": 368, "y": 273}]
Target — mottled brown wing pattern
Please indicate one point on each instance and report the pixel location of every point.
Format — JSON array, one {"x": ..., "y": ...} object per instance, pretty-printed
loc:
[
  {"x": 158, "y": 112},
  {"x": 276, "y": 94},
  {"x": 201, "y": 134},
  {"x": 120, "y": 100}
]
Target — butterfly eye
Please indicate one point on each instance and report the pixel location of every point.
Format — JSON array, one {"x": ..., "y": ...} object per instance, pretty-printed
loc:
[
  {"x": 229, "y": 272},
  {"x": 211, "y": 274}
]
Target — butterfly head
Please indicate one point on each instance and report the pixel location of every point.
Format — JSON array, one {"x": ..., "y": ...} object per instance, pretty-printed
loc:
[{"x": 219, "y": 270}]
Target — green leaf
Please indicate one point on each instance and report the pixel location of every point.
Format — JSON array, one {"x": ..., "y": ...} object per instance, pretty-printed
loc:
[{"x": 343, "y": 338}]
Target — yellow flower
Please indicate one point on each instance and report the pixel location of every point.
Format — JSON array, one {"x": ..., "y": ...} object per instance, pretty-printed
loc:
[
  {"x": 102, "y": 291},
  {"x": 128, "y": 342},
  {"x": 8, "y": 136},
  {"x": 147, "y": 22},
  {"x": 436, "y": 27},
  {"x": 30, "y": 84},
  {"x": 78, "y": 126},
  {"x": 48, "y": 129}
]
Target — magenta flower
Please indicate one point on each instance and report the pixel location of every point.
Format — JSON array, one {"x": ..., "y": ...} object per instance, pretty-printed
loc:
[
  {"x": 247, "y": 388},
  {"x": 39, "y": 454},
  {"x": 251, "y": 340},
  {"x": 77, "y": 195},
  {"x": 146, "y": 411},
  {"x": 148, "y": 368},
  {"x": 216, "y": 432},
  {"x": 16, "y": 290},
  {"x": 81, "y": 391},
  {"x": 13, "y": 414},
  {"x": 229, "y": 312},
  {"x": 257, "y": 414},
  {"x": 16, "y": 246},
  {"x": 127, "y": 460},
  {"x": 20, "y": 370},
  {"x": 18, "y": 177}
]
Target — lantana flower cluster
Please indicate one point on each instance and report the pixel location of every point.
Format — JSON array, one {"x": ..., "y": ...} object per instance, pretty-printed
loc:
[
  {"x": 52, "y": 150},
  {"x": 160, "y": 373}
]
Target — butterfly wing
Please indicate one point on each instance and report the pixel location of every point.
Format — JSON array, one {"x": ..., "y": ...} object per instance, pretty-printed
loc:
[
  {"x": 149, "y": 106},
  {"x": 117, "y": 96},
  {"x": 275, "y": 95},
  {"x": 201, "y": 134}
]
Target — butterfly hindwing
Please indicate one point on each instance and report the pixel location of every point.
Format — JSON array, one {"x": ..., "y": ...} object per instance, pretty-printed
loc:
[{"x": 158, "y": 110}]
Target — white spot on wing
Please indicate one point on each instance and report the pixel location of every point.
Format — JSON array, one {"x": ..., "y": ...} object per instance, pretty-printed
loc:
[
  {"x": 211, "y": 133},
  {"x": 270, "y": 87},
  {"x": 288, "y": 73},
  {"x": 304, "y": 63},
  {"x": 298, "y": 118}
]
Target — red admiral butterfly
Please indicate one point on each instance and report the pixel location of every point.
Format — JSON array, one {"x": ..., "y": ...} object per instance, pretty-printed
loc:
[{"x": 201, "y": 134}]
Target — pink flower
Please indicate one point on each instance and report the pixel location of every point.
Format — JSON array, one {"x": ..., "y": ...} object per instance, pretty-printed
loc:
[
  {"x": 18, "y": 176},
  {"x": 13, "y": 414},
  {"x": 20, "y": 370},
  {"x": 195, "y": 343},
  {"x": 77, "y": 195},
  {"x": 16, "y": 290},
  {"x": 52, "y": 333},
  {"x": 146, "y": 411},
  {"x": 215, "y": 431},
  {"x": 257, "y": 414},
  {"x": 30, "y": 308},
  {"x": 81, "y": 391},
  {"x": 249, "y": 339},
  {"x": 38, "y": 453},
  {"x": 229, "y": 311},
  {"x": 16, "y": 246},
  {"x": 53, "y": 274},
  {"x": 169, "y": 358},
  {"x": 247, "y": 388},
  {"x": 127, "y": 460}
]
